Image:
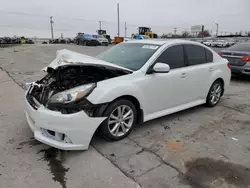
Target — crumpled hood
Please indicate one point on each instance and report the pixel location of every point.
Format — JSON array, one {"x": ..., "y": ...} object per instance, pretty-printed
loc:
[{"x": 67, "y": 57}]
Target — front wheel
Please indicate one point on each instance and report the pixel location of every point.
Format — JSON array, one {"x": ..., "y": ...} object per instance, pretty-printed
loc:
[
  {"x": 121, "y": 117},
  {"x": 214, "y": 94}
]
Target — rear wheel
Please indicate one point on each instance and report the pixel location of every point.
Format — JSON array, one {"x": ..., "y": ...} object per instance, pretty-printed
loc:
[
  {"x": 121, "y": 117},
  {"x": 214, "y": 94}
]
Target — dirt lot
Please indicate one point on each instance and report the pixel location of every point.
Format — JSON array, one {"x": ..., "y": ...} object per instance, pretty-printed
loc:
[{"x": 197, "y": 148}]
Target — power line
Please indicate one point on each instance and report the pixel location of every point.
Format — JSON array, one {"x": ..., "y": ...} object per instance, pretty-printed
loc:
[
  {"x": 55, "y": 16},
  {"x": 81, "y": 19},
  {"x": 21, "y": 27}
]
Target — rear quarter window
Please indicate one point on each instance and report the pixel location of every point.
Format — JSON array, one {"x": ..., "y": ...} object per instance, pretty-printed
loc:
[{"x": 209, "y": 56}]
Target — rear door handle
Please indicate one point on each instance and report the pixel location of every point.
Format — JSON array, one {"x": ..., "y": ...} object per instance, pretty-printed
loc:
[
  {"x": 210, "y": 69},
  {"x": 183, "y": 75}
]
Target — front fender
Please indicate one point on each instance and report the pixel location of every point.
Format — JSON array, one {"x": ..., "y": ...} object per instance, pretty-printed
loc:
[{"x": 107, "y": 93}]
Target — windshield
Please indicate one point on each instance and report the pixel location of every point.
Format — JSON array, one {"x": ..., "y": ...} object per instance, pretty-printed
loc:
[
  {"x": 129, "y": 55},
  {"x": 88, "y": 36},
  {"x": 244, "y": 47},
  {"x": 97, "y": 36}
]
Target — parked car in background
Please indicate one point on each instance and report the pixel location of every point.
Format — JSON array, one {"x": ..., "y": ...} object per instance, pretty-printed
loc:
[
  {"x": 86, "y": 40},
  {"x": 57, "y": 41},
  {"x": 132, "y": 82},
  {"x": 127, "y": 39},
  {"x": 140, "y": 37},
  {"x": 238, "y": 56},
  {"x": 209, "y": 43},
  {"x": 69, "y": 40},
  {"x": 101, "y": 40},
  {"x": 221, "y": 43},
  {"x": 16, "y": 40},
  {"x": 29, "y": 41},
  {"x": 231, "y": 42},
  {"x": 200, "y": 41}
]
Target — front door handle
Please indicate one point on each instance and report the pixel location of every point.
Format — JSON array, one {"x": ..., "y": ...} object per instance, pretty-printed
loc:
[{"x": 183, "y": 75}]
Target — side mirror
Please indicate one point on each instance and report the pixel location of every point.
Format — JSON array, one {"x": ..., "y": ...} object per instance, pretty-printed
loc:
[{"x": 161, "y": 68}]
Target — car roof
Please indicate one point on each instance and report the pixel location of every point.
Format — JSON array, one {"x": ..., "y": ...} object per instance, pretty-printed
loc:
[{"x": 162, "y": 41}]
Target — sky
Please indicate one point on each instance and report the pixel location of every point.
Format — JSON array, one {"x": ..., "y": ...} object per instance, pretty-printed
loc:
[{"x": 30, "y": 18}]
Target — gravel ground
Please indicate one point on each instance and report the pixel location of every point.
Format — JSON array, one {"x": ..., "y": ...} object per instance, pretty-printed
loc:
[{"x": 199, "y": 148}]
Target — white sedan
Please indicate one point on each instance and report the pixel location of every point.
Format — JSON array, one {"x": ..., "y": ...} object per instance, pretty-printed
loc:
[{"x": 132, "y": 82}]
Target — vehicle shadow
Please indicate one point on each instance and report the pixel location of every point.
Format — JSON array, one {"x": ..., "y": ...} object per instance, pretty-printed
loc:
[{"x": 240, "y": 78}]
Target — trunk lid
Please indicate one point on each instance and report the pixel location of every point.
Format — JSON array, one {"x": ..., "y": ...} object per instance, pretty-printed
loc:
[
  {"x": 235, "y": 57},
  {"x": 67, "y": 57}
]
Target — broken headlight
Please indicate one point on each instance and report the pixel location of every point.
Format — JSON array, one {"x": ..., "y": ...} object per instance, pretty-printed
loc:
[{"x": 72, "y": 95}]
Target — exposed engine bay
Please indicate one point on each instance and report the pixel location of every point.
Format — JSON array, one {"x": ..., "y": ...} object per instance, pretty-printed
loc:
[{"x": 67, "y": 77}]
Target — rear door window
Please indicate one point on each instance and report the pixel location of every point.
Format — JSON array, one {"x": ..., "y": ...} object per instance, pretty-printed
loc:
[
  {"x": 173, "y": 56},
  {"x": 195, "y": 54}
]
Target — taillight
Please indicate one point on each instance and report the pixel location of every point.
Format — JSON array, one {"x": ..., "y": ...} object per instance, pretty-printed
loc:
[
  {"x": 220, "y": 54},
  {"x": 228, "y": 65},
  {"x": 246, "y": 58}
]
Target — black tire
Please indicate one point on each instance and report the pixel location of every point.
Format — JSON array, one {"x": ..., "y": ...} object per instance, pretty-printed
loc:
[
  {"x": 209, "y": 101},
  {"x": 104, "y": 128},
  {"x": 81, "y": 42}
]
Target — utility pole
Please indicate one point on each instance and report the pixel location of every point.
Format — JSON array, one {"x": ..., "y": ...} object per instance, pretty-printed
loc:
[
  {"x": 100, "y": 25},
  {"x": 175, "y": 30},
  {"x": 51, "y": 27},
  {"x": 125, "y": 29},
  {"x": 217, "y": 28},
  {"x": 118, "y": 20}
]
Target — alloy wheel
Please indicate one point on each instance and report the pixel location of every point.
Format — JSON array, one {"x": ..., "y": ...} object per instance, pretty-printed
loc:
[
  {"x": 215, "y": 93},
  {"x": 120, "y": 120}
]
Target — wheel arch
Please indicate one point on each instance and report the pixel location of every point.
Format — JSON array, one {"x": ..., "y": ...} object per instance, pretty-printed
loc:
[
  {"x": 137, "y": 104},
  {"x": 222, "y": 82},
  {"x": 134, "y": 100}
]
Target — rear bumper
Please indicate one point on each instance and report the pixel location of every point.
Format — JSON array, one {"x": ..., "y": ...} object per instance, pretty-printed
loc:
[
  {"x": 62, "y": 131},
  {"x": 245, "y": 70}
]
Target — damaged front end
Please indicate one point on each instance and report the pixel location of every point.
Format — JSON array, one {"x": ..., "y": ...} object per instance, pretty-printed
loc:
[
  {"x": 56, "y": 107},
  {"x": 65, "y": 88}
]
